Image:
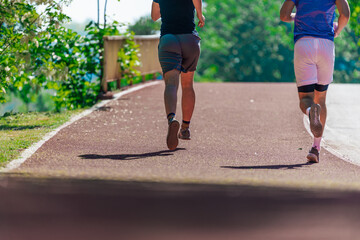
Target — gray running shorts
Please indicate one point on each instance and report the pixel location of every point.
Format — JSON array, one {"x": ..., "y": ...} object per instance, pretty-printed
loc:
[{"x": 180, "y": 51}]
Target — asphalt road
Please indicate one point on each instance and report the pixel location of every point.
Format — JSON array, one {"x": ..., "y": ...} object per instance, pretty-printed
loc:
[
  {"x": 241, "y": 134},
  {"x": 242, "y": 176}
]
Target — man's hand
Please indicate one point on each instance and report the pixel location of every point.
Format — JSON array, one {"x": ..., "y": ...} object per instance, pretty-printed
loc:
[
  {"x": 200, "y": 16},
  {"x": 344, "y": 16},
  {"x": 293, "y": 15},
  {"x": 201, "y": 20},
  {"x": 286, "y": 14},
  {"x": 155, "y": 11}
]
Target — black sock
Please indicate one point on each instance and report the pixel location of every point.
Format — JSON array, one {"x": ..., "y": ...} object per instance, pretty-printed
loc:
[{"x": 185, "y": 124}]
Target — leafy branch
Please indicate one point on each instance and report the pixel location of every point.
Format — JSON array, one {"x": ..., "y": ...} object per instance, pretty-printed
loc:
[{"x": 27, "y": 30}]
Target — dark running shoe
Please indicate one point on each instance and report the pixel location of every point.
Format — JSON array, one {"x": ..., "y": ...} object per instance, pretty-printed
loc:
[
  {"x": 313, "y": 156},
  {"x": 172, "y": 139},
  {"x": 184, "y": 134},
  {"x": 314, "y": 117}
]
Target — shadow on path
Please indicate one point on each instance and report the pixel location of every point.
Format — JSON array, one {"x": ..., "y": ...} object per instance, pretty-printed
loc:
[
  {"x": 131, "y": 156},
  {"x": 103, "y": 109},
  {"x": 17, "y": 127},
  {"x": 286, "y": 167}
]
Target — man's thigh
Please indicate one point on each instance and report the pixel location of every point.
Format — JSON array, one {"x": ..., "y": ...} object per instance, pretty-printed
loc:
[
  {"x": 305, "y": 62},
  {"x": 326, "y": 60},
  {"x": 190, "y": 47},
  {"x": 170, "y": 54}
]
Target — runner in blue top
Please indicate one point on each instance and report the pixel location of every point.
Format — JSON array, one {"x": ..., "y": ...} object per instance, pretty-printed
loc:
[
  {"x": 312, "y": 23},
  {"x": 179, "y": 51},
  {"x": 314, "y": 56}
]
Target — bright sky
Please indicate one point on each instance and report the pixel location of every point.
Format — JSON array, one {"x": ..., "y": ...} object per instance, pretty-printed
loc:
[{"x": 125, "y": 11}]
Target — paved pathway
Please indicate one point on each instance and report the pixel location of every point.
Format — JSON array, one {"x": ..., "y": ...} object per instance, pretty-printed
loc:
[
  {"x": 242, "y": 133},
  {"x": 343, "y": 129}
]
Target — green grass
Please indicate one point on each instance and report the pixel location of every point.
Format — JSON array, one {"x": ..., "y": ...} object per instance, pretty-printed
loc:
[{"x": 20, "y": 131}]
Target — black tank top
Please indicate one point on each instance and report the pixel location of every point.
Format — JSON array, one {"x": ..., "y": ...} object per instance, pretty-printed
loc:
[{"x": 177, "y": 16}]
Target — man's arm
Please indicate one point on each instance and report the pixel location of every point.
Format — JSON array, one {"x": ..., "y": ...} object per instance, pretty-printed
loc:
[
  {"x": 344, "y": 11},
  {"x": 155, "y": 11},
  {"x": 200, "y": 16},
  {"x": 286, "y": 14}
]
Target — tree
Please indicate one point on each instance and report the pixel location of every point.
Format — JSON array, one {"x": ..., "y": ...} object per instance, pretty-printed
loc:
[
  {"x": 246, "y": 41},
  {"x": 355, "y": 17},
  {"x": 21, "y": 27},
  {"x": 38, "y": 52},
  {"x": 145, "y": 26},
  {"x": 347, "y": 68}
]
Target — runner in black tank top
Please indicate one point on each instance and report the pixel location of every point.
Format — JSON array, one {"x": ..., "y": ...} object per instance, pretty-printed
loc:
[{"x": 179, "y": 51}]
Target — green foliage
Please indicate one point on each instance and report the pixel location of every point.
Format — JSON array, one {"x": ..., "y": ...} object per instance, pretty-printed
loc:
[
  {"x": 37, "y": 52},
  {"x": 72, "y": 59},
  {"x": 145, "y": 26},
  {"x": 347, "y": 65},
  {"x": 95, "y": 43},
  {"x": 77, "y": 62},
  {"x": 242, "y": 41},
  {"x": 246, "y": 41},
  {"x": 21, "y": 26},
  {"x": 355, "y": 17},
  {"x": 128, "y": 57},
  {"x": 80, "y": 58}
]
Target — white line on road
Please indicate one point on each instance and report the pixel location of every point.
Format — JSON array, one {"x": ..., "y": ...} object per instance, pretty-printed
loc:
[
  {"x": 342, "y": 131},
  {"x": 340, "y": 153}
]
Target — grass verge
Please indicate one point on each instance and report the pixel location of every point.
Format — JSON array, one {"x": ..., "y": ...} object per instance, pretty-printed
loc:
[{"x": 20, "y": 131}]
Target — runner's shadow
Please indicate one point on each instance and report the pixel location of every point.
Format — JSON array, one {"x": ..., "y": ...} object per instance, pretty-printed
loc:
[
  {"x": 127, "y": 157},
  {"x": 103, "y": 109},
  {"x": 286, "y": 167}
]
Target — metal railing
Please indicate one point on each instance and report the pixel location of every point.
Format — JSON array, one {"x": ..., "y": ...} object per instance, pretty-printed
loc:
[{"x": 149, "y": 63}]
